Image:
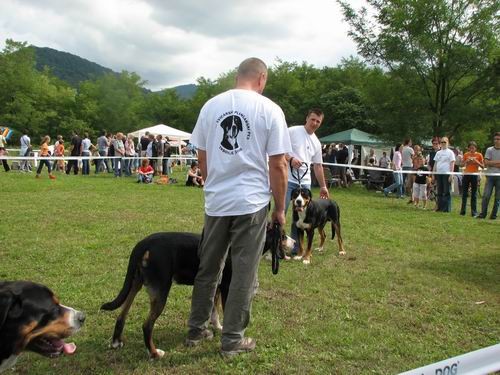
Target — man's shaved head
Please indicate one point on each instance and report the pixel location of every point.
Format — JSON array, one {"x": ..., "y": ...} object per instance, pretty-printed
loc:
[{"x": 252, "y": 68}]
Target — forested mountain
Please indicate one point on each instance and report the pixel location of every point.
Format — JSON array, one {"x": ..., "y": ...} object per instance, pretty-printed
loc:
[
  {"x": 68, "y": 67},
  {"x": 74, "y": 69},
  {"x": 186, "y": 91}
]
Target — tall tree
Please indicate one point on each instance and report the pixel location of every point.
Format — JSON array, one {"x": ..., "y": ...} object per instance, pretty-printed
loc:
[
  {"x": 447, "y": 49},
  {"x": 114, "y": 102}
]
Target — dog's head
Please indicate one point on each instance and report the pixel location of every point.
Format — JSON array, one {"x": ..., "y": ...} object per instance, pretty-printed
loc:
[
  {"x": 31, "y": 318},
  {"x": 231, "y": 125},
  {"x": 301, "y": 198},
  {"x": 286, "y": 243}
]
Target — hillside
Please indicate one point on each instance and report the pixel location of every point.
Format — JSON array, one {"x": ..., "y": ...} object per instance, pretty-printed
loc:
[
  {"x": 186, "y": 91},
  {"x": 75, "y": 69},
  {"x": 68, "y": 67}
]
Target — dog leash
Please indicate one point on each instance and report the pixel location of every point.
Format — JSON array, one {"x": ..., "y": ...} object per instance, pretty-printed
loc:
[
  {"x": 296, "y": 172},
  {"x": 276, "y": 248}
]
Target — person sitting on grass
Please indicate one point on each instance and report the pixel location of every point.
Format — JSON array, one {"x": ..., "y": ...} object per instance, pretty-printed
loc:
[
  {"x": 194, "y": 176},
  {"x": 145, "y": 172},
  {"x": 45, "y": 153}
]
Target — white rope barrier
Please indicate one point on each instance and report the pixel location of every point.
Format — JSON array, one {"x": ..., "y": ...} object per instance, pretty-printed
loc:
[
  {"x": 35, "y": 158},
  {"x": 185, "y": 158},
  {"x": 479, "y": 362},
  {"x": 412, "y": 171}
]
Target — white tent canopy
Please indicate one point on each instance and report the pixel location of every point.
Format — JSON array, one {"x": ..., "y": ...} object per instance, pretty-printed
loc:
[{"x": 166, "y": 131}]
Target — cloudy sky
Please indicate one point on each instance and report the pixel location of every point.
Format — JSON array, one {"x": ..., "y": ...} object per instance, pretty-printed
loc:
[{"x": 173, "y": 42}]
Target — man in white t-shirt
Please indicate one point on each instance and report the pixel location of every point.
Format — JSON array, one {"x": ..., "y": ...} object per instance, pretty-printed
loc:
[
  {"x": 241, "y": 138},
  {"x": 25, "y": 150},
  {"x": 306, "y": 148},
  {"x": 444, "y": 163}
]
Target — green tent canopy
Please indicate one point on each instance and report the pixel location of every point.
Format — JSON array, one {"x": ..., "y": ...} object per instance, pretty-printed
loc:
[{"x": 353, "y": 137}]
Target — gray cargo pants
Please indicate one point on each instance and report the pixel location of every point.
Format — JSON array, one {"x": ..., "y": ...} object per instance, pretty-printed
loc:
[{"x": 246, "y": 235}]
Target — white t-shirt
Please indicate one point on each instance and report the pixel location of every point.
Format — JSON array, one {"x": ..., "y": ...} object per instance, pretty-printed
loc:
[
  {"x": 307, "y": 148},
  {"x": 407, "y": 155},
  {"x": 239, "y": 129},
  {"x": 443, "y": 158},
  {"x": 25, "y": 142},
  {"x": 86, "y": 145}
]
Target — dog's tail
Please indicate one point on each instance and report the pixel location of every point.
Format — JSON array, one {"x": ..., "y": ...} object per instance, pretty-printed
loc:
[{"x": 132, "y": 272}]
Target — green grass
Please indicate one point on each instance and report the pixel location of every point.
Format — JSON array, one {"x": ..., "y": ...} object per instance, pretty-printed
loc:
[{"x": 404, "y": 296}]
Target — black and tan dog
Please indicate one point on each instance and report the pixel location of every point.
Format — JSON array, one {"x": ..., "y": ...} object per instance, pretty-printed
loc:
[
  {"x": 309, "y": 214},
  {"x": 232, "y": 126},
  {"x": 31, "y": 318},
  {"x": 157, "y": 261}
]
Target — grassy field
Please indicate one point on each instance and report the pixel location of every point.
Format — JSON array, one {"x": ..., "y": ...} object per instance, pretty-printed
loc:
[{"x": 406, "y": 294}]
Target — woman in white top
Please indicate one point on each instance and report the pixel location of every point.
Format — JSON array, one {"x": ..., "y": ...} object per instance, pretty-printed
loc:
[
  {"x": 444, "y": 162},
  {"x": 129, "y": 154},
  {"x": 85, "y": 152}
]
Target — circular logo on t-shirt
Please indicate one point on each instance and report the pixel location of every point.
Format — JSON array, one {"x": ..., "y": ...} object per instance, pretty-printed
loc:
[{"x": 235, "y": 130}]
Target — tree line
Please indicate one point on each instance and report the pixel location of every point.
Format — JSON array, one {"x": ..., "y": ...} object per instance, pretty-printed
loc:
[{"x": 431, "y": 70}]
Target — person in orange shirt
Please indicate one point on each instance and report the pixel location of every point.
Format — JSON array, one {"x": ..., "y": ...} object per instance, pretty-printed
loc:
[
  {"x": 472, "y": 160},
  {"x": 59, "y": 152},
  {"x": 44, "y": 153}
]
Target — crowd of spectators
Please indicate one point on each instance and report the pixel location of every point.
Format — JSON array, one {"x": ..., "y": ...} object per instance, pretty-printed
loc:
[
  {"x": 115, "y": 153},
  {"x": 420, "y": 174},
  {"x": 111, "y": 153}
]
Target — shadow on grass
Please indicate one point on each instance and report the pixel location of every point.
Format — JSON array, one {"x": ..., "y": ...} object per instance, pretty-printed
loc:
[{"x": 481, "y": 270}]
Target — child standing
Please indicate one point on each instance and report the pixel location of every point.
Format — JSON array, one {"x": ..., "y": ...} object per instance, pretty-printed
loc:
[
  {"x": 44, "y": 153},
  {"x": 420, "y": 183},
  {"x": 145, "y": 172}
]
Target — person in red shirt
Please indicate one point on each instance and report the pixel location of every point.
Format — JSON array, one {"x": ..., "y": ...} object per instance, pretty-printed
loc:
[
  {"x": 145, "y": 172},
  {"x": 472, "y": 160}
]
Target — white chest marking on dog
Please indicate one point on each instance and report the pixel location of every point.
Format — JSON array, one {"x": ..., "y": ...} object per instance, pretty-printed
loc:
[
  {"x": 300, "y": 223},
  {"x": 8, "y": 363}
]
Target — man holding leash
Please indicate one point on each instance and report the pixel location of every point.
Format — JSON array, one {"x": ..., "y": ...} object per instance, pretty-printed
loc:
[
  {"x": 241, "y": 138},
  {"x": 306, "y": 149}
]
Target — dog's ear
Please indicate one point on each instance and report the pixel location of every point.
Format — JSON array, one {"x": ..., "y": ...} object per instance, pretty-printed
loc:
[
  {"x": 309, "y": 192},
  {"x": 238, "y": 123}
]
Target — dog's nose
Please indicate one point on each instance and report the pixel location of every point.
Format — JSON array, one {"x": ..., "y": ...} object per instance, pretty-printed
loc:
[{"x": 80, "y": 316}]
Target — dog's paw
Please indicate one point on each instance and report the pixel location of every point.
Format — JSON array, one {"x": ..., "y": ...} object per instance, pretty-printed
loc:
[
  {"x": 306, "y": 261},
  {"x": 158, "y": 354},
  {"x": 116, "y": 344},
  {"x": 217, "y": 326},
  {"x": 297, "y": 257},
  {"x": 320, "y": 249},
  {"x": 342, "y": 252}
]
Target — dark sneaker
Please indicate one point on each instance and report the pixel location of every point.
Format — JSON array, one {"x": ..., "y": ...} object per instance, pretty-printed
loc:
[
  {"x": 246, "y": 345},
  {"x": 480, "y": 217},
  {"x": 195, "y": 339},
  {"x": 493, "y": 217}
]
